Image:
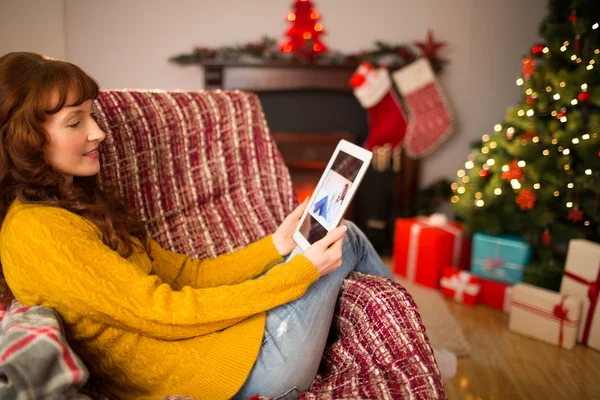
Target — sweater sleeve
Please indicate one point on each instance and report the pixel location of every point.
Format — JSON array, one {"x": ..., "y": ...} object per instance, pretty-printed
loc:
[
  {"x": 180, "y": 270},
  {"x": 55, "y": 258}
]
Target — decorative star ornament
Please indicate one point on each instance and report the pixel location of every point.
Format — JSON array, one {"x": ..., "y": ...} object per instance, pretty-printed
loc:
[
  {"x": 575, "y": 215},
  {"x": 430, "y": 47}
]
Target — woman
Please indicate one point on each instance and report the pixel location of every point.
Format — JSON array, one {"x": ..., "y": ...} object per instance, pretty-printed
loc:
[{"x": 149, "y": 322}]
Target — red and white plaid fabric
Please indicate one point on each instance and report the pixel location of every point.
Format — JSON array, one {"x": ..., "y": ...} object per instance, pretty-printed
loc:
[
  {"x": 204, "y": 173},
  {"x": 35, "y": 360}
]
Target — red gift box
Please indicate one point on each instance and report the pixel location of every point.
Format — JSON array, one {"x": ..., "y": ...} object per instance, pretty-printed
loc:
[
  {"x": 423, "y": 246},
  {"x": 460, "y": 286},
  {"x": 464, "y": 261},
  {"x": 496, "y": 294}
]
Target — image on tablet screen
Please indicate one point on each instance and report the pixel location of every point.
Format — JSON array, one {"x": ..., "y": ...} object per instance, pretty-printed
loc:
[{"x": 331, "y": 197}]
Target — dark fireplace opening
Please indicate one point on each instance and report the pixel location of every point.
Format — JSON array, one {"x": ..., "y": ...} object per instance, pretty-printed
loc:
[{"x": 315, "y": 111}]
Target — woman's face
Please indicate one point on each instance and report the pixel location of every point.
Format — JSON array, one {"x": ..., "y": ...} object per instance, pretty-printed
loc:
[{"x": 74, "y": 139}]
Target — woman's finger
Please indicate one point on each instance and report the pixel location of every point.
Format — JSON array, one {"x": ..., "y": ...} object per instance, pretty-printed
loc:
[{"x": 301, "y": 207}]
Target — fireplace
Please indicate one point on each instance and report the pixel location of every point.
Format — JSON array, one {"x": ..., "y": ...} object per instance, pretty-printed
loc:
[{"x": 309, "y": 109}]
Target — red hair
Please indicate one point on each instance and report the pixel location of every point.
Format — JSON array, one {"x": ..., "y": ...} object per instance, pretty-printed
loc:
[{"x": 31, "y": 87}]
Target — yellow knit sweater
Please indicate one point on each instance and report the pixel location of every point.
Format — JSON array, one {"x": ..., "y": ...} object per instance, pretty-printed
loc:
[{"x": 175, "y": 325}]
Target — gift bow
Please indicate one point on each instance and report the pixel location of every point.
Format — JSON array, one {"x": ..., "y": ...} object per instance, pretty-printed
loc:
[
  {"x": 593, "y": 288},
  {"x": 562, "y": 314},
  {"x": 493, "y": 263},
  {"x": 437, "y": 219},
  {"x": 461, "y": 284}
]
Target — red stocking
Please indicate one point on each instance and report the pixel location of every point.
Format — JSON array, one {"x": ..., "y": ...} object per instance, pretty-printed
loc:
[
  {"x": 387, "y": 121},
  {"x": 431, "y": 121}
]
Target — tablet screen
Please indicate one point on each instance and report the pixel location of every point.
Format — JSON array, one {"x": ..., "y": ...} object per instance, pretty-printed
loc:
[{"x": 331, "y": 198}]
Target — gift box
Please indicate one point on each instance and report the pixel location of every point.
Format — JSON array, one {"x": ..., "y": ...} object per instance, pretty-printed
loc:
[
  {"x": 460, "y": 286},
  {"x": 582, "y": 280},
  {"x": 496, "y": 294},
  {"x": 544, "y": 315},
  {"x": 464, "y": 260},
  {"x": 500, "y": 258},
  {"x": 423, "y": 246}
]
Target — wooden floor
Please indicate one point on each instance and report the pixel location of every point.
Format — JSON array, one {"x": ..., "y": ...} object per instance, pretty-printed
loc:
[{"x": 504, "y": 365}]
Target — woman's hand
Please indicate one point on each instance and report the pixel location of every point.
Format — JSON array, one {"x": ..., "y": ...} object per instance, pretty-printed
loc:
[
  {"x": 282, "y": 238},
  {"x": 326, "y": 254}
]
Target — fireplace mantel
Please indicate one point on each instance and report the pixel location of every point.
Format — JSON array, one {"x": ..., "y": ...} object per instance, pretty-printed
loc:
[{"x": 276, "y": 76}]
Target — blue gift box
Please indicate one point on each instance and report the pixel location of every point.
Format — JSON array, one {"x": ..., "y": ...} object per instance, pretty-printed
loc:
[{"x": 500, "y": 258}]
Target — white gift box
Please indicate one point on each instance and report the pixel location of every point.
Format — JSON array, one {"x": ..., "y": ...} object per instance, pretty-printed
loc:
[
  {"x": 544, "y": 315},
  {"x": 582, "y": 281}
]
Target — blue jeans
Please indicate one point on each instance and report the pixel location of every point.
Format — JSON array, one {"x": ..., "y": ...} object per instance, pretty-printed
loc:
[{"x": 296, "y": 332}]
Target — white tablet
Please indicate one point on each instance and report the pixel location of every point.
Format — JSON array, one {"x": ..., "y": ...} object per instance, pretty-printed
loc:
[{"x": 333, "y": 193}]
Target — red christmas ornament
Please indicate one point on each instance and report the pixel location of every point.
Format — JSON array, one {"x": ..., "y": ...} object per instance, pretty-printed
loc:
[
  {"x": 304, "y": 34},
  {"x": 527, "y": 136},
  {"x": 561, "y": 114},
  {"x": 485, "y": 173},
  {"x": 514, "y": 172},
  {"x": 538, "y": 49},
  {"x": 575, "y": 215},
  {"x": 528, "y": 67},
  {"x": 584, "y": 96},
  {"x": 526, "y": 199},
  {"x": 546, "y": 237},
  {"x": 530, "y": 100},
  {"x": 573, "y": 17}
]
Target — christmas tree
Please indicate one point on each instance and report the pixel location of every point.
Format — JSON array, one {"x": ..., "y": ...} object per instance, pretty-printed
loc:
[
  {"x": 305, "y": 32},
  {"x": 538, "y": 174}
]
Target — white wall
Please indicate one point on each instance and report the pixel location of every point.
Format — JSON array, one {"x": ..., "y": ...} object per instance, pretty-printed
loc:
[
  {"x": 33, "y": 25},
  {"x": 125, "y": 43}
]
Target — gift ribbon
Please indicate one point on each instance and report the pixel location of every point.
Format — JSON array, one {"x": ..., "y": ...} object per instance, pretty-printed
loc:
[
  {"x": 559, "y": 313},
  {"x": 495, "y": 264},
  {"x": 593, "y": 289},
  {"x": 507, "y": 297},
  {"x": 459, "y": 282},
  {"x": 563, "y": 315},
  {"x": 435, "y": 220}
]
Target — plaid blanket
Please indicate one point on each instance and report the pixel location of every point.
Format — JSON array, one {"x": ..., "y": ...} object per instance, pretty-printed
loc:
[
  {"x": 35, "y": 360},
  {"x": 379, "y": 348}
]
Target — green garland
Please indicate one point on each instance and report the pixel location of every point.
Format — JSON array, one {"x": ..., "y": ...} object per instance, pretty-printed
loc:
[{"x": 267, "y": 50}]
